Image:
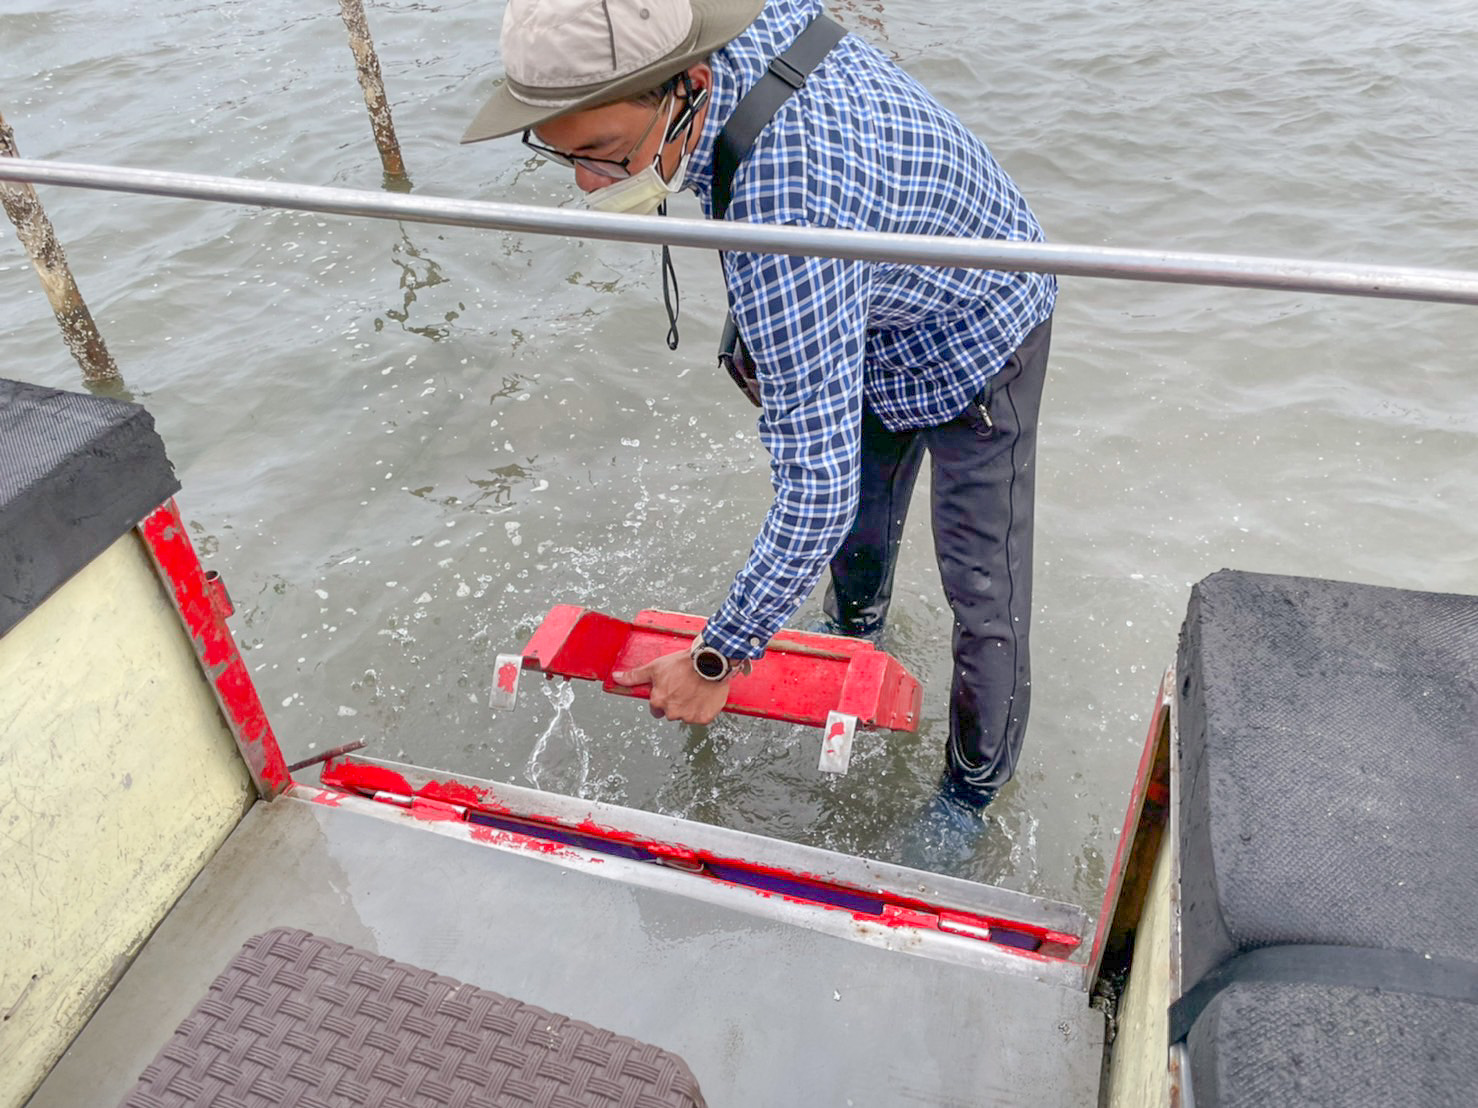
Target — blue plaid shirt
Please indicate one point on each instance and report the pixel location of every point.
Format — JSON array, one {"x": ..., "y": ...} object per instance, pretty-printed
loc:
[{"x": 862, "y": 146}]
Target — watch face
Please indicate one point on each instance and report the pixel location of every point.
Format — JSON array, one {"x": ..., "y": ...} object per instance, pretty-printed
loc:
[{"x": 710, "y": 663}]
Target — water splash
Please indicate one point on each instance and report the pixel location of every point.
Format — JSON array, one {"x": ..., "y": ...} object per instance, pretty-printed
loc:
[
  {"x": 1018, "y": 835},
  {"x": 563, "y": 750}
]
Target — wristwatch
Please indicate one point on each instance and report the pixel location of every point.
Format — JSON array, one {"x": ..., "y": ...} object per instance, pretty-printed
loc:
[{"x": 710, "y": 663}]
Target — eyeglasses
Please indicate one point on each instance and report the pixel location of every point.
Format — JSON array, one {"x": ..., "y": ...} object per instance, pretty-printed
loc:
[{"x": 619, "y": 170}]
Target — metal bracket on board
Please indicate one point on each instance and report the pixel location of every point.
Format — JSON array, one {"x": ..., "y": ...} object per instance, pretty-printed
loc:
[
  {"x": 506, "y": 671},
  {"x": 836, "y": 742}
]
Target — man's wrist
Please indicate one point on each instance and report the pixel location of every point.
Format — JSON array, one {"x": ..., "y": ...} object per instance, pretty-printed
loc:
[{"x": 735, "y": 640}]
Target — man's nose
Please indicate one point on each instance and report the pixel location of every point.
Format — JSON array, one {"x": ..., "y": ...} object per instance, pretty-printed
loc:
[{"x": 587, "y": 180}]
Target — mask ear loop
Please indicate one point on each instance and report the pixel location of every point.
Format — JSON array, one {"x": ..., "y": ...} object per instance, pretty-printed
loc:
[
  {"x": 671, "y": 294},
  {"x": 692, "y": 101}
]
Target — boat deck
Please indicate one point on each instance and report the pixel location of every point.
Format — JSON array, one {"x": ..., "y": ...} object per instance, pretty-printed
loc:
[{"x": 770, "y": 1002}]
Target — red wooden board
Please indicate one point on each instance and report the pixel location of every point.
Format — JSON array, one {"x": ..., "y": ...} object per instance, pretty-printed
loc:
[{"x": 801, "y": 678}]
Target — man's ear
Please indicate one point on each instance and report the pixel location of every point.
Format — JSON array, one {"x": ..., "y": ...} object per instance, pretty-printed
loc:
[{"x": 701, "y": 76}]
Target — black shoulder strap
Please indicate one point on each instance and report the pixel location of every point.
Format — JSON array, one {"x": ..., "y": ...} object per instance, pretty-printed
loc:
[
  {"x": 787, "y": 73},
  {"x": 1353, "y": 967}
]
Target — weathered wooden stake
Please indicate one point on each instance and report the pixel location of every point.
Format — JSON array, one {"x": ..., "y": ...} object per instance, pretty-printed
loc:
[
  {"x": 374, "y": 86},
  {"x": 79, "y": 332}
]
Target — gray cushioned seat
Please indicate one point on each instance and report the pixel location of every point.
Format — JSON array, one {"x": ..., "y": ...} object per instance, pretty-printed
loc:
[
  {"x": 76, "y": 473},
  {"x": 1263, "y": 1046},
  {"x": 1328, "y": 767}
]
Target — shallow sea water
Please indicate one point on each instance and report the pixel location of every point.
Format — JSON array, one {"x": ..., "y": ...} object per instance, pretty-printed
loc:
[{"x": 401, "y": 445}]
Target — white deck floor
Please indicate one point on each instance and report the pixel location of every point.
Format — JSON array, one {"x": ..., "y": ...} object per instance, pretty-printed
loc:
[{"x": 767, "y": 1007}]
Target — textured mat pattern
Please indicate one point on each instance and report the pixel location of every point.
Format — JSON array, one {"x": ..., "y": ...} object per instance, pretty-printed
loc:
[{"x": 298, "y": 1020}]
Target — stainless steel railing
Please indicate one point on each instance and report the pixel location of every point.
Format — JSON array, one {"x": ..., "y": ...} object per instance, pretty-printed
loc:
[{"x": 1289, "y": 275}]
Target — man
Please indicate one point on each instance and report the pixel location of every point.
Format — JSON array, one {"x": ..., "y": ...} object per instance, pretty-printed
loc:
[{"x": 861, "y": 367}]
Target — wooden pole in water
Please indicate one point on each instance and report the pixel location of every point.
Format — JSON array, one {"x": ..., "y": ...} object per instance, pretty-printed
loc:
[
  {"x": 373, "y": 84},
  {"x": 37, "y": 235}
]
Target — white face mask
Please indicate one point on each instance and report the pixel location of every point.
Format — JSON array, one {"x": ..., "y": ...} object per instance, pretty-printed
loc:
[{"x": 642, "y": 193}]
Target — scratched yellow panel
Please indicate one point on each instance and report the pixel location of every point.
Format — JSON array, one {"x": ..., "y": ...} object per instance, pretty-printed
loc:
[
  {"x": 118, "y": 781},
  {"x": 1140, "y": 1075}
]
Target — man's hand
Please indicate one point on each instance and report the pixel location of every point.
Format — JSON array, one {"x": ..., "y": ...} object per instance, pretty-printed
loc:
[{"x": 678, "y": 692}]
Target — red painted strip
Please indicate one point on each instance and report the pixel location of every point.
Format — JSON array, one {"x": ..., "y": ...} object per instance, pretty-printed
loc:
[
  {"x": 436, "y": 811},
  {"x": 1144, "y": 788},
  {"x": 833, "y": 737},
  {"x": 202, "y": 613},
  {"x": 342, "y": 773},
  {"x": 495, "y": 837},
  {"x": 896, "y": 916}
]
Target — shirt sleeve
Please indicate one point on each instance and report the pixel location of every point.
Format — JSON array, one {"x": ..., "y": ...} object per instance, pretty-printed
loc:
[{"x": 804, "y": 321}]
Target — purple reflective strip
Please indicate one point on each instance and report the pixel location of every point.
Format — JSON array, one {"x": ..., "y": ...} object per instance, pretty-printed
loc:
[
  {"x": 801, "y": 890},
  {"x": 559, "y": 835},
  {"x": 1018, "y": 940}
]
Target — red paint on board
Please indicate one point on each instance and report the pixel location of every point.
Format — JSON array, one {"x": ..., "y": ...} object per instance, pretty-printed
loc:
[
  {"x": 834, "y": 736},
  {"x": 454, "y": 792},
  {"x": 507, "y": 677},
  {"x": 896, "y": 916},
  {"x": 364, "y": 778},
  {"x": 495, "y": 836},
  {"x": 360, "y": 777},
  {"x": 204, "y": 617},
  {"x": 436, "y": 811}
]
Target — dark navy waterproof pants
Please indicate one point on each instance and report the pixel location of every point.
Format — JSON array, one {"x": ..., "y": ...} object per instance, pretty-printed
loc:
[{"x": 982, "y": 474}]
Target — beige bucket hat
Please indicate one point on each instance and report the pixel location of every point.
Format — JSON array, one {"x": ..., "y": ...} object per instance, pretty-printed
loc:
[{"x": 566, "y": 55}]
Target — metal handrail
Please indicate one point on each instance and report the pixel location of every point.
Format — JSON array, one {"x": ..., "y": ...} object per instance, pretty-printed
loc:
[{"x": 1176, "y": 267}]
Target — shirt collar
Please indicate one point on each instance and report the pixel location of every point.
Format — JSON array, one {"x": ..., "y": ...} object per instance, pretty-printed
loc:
[
  {"x": 736, "y": 69},
  {"x": 723, "y": 98}
]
